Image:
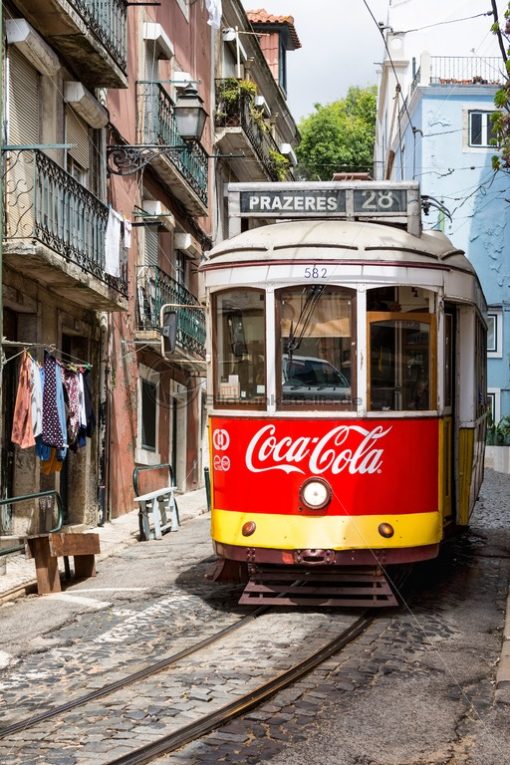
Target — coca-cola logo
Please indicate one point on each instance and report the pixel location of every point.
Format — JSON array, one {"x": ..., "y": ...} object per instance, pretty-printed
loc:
[{"x": 350, "y": 448}]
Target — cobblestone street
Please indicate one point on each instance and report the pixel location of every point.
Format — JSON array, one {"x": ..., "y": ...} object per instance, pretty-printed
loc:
[{"x": 417, "y": 688}]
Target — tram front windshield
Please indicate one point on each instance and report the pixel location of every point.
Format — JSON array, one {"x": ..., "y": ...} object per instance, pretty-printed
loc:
[
  {"x": 316, "y": 344},
  {"x": 315, "y": 330}
]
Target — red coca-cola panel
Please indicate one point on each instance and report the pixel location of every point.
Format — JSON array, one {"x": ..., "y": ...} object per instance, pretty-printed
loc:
[{"x": 373, "y": 466}]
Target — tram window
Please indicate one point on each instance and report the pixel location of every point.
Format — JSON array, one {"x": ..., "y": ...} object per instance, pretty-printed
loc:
[
  {"x": 400, "y": 363},
  {"x": 316, "y": 345},
  {"x": 239, "y": 352}
]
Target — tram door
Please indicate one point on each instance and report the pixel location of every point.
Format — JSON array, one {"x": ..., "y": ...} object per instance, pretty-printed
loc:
[{"x": 448, "y": 423}]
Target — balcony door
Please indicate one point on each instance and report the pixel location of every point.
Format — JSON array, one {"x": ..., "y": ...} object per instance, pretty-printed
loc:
[{"x": 23, "y": 128}]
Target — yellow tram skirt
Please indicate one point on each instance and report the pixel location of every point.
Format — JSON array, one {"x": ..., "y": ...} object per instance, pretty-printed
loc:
[{"x": 290, "y": 532}]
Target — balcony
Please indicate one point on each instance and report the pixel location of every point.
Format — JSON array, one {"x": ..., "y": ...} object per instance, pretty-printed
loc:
[
  {"x": 56, "y": 232},
  {"x": 459, "y": 70},
  {"x": 90, "y": 34},
  {"x": 155, "y": 289},
  {"x": 183, "y": 167},
  {"x": 240, "y": 132}
]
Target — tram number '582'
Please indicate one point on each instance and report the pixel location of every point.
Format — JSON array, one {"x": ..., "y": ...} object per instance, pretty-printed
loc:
[{"x": 316, "y": 272}]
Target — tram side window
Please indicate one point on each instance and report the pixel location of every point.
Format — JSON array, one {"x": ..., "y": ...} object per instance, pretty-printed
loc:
[
  {"x": 316, "y": 345},
  {"x": 400, "y": 363},
  {"x": 239, "y": 350}
]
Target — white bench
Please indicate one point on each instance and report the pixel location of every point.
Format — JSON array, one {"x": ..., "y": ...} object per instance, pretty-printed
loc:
[{"x": 160, "y": 505}]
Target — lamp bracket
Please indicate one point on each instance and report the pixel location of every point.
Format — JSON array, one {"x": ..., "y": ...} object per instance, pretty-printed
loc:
[{"x": 128, "y": 159}]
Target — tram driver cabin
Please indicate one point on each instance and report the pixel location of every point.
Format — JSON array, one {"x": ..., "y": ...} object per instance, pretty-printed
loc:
[{"x": 347, "y": 375}]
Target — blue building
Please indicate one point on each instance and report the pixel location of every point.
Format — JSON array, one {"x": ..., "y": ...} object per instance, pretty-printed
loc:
[{"x": 434, "y": 126}]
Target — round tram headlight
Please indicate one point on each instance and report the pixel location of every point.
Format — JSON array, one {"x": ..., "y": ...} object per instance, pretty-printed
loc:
[{"x": 315, "y": 493}]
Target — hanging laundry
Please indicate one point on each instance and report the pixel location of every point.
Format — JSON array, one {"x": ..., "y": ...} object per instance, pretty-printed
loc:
[
  {"x": 214, "y": 11},
  {"x": 72, "y": 389},
  {"x": 53, "y": 433},
  {"x": 37, "y": 399},
  {"x": 89, "y": 409},
  {"x": 53, "y": 464},
  {"x": 22, "y": 427}
]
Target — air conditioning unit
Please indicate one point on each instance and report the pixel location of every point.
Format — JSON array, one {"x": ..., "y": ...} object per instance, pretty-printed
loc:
[
  {"x": 287, "y": 150},
  {"x": 261, "y": 103},
  {"x": 155, "y": 212},
  {"x": 184, "y": 242}
]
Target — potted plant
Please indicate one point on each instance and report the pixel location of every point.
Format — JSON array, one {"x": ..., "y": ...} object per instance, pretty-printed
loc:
[{"x": 497, "y": 452}]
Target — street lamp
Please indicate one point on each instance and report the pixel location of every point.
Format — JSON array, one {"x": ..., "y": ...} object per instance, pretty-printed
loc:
[
  {"x": 190, "y": 117},
  {"x": 190, "y": 114}
]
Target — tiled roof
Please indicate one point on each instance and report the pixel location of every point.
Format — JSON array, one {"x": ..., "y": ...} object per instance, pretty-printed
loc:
[{"x": 261, "y": 16}]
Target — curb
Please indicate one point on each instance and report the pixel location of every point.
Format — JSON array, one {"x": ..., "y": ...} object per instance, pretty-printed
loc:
[{"x": 502, "y": 694}]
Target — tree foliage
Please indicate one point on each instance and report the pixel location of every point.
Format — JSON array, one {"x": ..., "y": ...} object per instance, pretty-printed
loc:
[
  {"x": 338, "y": 137},
  {"x": 501, "y": 118}
]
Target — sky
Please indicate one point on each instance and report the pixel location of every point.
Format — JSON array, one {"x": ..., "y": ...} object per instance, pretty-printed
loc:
[{"x": 340, "y": 47}]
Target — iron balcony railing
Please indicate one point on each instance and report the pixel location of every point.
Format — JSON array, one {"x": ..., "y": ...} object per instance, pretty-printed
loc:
[
  {"x": 107, "y": 20},
  {"x": 156, "y": 289},
  {"x": 241, "y": 112},
  {"x": 460, "y": 70},
  {"x": 44, "y": 202},
  {"x": 160, "y": 127}
]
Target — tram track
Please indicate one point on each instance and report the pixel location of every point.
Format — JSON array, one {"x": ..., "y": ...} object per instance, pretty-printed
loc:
[
  {"x": 223, "y": 677},
  {"x": 133, "y": 677},
  {"x": 245, "y": 703}
]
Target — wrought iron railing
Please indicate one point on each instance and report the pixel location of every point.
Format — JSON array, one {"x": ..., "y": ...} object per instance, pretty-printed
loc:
[
  {"x": 460, "y": 70},
  {"x": 241, "y": 112},
  {"x": 155, "y": 289},
  {"x": 160, "y": 127},
  {"x": 107, "y": 19},
  {"x": 44, "y": 202}
]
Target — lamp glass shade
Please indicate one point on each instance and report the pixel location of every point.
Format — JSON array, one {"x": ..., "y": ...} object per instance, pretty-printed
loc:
[{"x": 190, "y": 114}]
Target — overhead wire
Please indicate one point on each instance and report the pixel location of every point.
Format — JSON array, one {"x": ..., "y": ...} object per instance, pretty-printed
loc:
[{"x": 441, "y": 23}]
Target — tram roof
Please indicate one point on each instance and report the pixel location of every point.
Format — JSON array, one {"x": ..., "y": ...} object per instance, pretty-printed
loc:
[{"x": 337, "y": 239}]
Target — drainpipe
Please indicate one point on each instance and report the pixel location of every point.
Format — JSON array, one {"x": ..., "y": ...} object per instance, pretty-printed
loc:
[{"x": 102, "y": 440}]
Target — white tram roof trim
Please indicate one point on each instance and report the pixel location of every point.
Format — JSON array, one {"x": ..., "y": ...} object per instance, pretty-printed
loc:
[{"x": 342, "y": 240}]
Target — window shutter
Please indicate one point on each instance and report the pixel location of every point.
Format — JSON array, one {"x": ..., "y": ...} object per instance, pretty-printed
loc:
[
  {"x": 24, "y": 108},
  {"x": 77, "y": 133},
  {"x": 151, "y": 246}
]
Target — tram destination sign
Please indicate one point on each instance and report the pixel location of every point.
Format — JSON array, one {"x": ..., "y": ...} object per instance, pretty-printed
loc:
[{"x": 334, "y": 202}]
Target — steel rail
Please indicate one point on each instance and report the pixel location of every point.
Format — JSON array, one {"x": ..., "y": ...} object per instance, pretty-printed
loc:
[
  {"x": 140, "y": 674},
  {"x": 196, "y": 730}
]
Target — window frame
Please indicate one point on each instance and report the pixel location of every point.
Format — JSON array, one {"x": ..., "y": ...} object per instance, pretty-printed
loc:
[
  {"x": 332, "y": 405},
  {"x": 145, "y": 454},
  {"x": 485, "y": 135},
  {"x": 230, "y": 403},
  {"x": 496, "y": 315},
  {"x": 405, "y": 316}
]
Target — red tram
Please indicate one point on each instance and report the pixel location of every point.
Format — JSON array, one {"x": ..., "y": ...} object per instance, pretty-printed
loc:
[{"x": 347, "y": 367}]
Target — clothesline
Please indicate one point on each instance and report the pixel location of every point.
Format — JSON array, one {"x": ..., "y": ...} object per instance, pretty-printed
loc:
[{"x": 50, "y": 348}]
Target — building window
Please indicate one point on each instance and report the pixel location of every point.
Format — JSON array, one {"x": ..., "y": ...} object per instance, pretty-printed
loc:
[
  {"x": 494, "y": 404},
  {"x": 148, "y": 445},
  {"x": 149, "y": 415},
  {"x": 480, "y": 129},
  {"x": 495, "y": 334}
]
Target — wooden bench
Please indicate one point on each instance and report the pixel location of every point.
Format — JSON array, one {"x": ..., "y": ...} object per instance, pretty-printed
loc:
[{"x": 46, "y": 549}]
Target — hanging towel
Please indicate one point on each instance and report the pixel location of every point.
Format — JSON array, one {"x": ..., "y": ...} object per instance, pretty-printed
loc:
[
  {"x": 72, "y": 389},
  {"x": 22, "y": 428},
  {"x": 112, "y": 243},
  {"x": 214, "y": 11},
  {"x": 37, "y": 399},
  {"x": 89, "y": 409}
]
